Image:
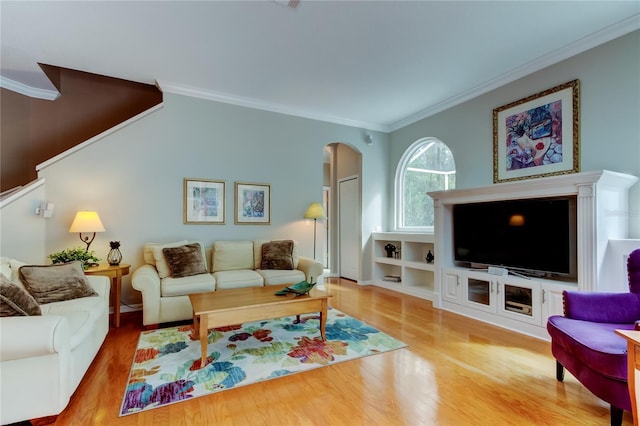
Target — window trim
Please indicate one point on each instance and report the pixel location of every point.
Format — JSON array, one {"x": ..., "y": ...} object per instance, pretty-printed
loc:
[{"x": 415, "y": 149}]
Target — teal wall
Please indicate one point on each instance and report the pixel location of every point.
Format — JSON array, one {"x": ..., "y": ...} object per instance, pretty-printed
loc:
[
  {"x": 134, "y": 176},
  {"x": 609, "y": 125}
]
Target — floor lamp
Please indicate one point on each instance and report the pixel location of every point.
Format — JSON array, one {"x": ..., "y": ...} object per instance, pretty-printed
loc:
[{"x": 315, "y": 212}]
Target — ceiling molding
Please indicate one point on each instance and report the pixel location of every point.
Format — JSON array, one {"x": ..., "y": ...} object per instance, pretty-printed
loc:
[
  {"x": 32, "y": 92},
  {"x": 589, "y": 42},
  {"x": 593, "y": 40},
  {"x": 178, "y": 89}
]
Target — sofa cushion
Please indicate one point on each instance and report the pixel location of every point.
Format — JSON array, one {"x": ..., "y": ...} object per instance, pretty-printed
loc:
[
  {"x": 185, "y": 260},
  {"x": 232, "y": 255},
  {"x": 81, "y": 313},
  {"x": 15, "y": 271},
  {"x": 594, "y": 344},
  {"x": 257, "y": 251},
  {"x": 277, "y": 255},
  {"x": 15, "y": 301},
  {"x": 237, "y": 279},
  {"x": 171, "y": 286},
  {"x": 95, "y": 306},
  {"x": 5, "y": 267},
  {"x": 55, "y": 283},
  {"x": 281, "y": 276}
]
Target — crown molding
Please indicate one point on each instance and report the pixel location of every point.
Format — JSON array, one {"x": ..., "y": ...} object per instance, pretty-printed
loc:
[
  {"x": 588, "y": 42},
  {"x": 178, "y": 89},
  {"x": 32, "y": 92}
]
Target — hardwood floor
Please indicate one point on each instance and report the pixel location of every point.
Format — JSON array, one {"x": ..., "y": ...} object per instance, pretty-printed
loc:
[{"x": 456, "y": 371}]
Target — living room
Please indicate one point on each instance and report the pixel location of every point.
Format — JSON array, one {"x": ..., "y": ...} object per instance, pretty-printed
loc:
[{"x": 134, "y": 176}]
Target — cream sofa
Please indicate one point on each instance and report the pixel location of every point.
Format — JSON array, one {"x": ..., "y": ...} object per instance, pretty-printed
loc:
[
  {"x": 229, "y": 264},
  {"x": 44, "y": 357}
]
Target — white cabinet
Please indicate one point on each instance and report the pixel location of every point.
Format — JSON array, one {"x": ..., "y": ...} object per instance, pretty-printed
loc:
[
  {"x": 452, "y": 290},
  {"x": 400, "y": 262},
  {"x": 499, "y": 300},
  {"x": 552, "y": 299},
  {"x": 479, "y": 291},
  {"x": 520, "y": 299},
  {"x": 517, "y": 303}
]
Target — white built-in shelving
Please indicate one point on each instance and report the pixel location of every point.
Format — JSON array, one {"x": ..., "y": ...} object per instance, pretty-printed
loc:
[
  {"x": 523, "y": 304},
  {"x": 409, "y": 263}
]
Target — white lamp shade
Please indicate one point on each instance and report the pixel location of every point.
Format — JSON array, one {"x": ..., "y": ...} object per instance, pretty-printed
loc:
[
  {"x": 86, "y": 221},
  {"x": 315, "y": 211}
]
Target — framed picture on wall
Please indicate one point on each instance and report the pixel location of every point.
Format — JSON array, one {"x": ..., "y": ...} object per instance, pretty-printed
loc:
[
  {"x": 538, "y": 135},
  {"x": 253, "y": 203},
  {"x": 204, "y": 201}
]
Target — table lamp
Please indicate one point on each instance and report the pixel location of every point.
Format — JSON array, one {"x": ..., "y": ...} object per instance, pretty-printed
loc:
[
  {"x": 86, "y": 222},
  {"x": 315, "y": 212}
]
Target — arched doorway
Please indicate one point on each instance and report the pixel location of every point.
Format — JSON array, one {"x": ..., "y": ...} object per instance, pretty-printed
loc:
[{"x": 341, "y": 162}]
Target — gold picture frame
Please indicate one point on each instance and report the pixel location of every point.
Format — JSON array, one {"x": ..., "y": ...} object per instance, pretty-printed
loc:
[
  {"x": 252, "y": 203},
  {"x": 538, "y": 135},
  {"x": 204, "y": 201}
]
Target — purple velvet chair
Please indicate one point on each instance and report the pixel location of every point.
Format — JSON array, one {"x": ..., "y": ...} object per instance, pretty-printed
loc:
[{"x": 584, "y": 341}]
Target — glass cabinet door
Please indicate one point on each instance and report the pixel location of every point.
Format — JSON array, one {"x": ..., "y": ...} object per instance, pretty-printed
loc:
[
  {"x": 479, "y": 291},
  {"x": 518, "y": 299}
]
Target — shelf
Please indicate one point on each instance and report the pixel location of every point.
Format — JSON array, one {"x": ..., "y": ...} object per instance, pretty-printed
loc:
[
  {"x": 420, "y": 265},
  {"x": 388, "y": 260},
  {"x": 417, "y": 276},
  {"x": 417, "y": 252}
]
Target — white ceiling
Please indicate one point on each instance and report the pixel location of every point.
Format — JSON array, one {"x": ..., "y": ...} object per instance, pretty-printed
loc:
[{"x": 379, "y": 65}]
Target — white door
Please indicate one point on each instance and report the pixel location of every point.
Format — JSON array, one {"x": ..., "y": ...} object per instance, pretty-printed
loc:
[{"x": 349, "y": 227}]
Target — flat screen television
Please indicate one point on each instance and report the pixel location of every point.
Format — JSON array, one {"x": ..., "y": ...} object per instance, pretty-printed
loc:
[{"x": 534, "y": 236}]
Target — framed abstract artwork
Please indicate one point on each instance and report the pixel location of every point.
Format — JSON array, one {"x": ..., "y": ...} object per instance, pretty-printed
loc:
[
  {"x": 538, "y": 136},
  {"x": 253, "y": 203},
  {"x": 204, "y": 201}
]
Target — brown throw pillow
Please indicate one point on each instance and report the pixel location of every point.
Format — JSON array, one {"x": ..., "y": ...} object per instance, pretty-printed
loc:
[
  {"x": 55, "y": 283},
  {"x": 277, "y": 255},
  {"x": 185, "y": 261},
  {"x": 14, "y": 301}
]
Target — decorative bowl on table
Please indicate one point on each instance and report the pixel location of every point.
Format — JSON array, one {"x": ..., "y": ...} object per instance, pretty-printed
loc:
[{"x": 299, "y": 289}]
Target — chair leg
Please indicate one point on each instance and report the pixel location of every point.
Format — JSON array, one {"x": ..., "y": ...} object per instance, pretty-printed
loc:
[
  {"x": 559, "y": 372},
  {"x": 616, "y": 416}
]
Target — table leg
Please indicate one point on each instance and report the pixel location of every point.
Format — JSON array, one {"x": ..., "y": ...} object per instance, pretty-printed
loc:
[
  {"x": 203, "y": 340},
  {"x": 116, "y": 303},
  {"x": 323, "y": 320},
  {"x": 195, "y": 334}
]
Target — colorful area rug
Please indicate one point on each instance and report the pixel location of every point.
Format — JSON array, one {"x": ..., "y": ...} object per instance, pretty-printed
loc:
[{"x": 166, "y": 366}]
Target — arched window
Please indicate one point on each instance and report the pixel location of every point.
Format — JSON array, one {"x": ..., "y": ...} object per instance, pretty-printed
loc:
[{"x": 427, "y": 165}]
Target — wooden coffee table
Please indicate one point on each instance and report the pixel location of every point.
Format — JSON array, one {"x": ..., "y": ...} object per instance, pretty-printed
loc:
[{"x": 236, "y": 306}]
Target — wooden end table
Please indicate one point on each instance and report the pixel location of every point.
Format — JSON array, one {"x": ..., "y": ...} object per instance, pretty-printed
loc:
[
  {"x": 115, "y": 272},
  {"x": 633, "y": 367},
  {"x": 235, "y": 306}
]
